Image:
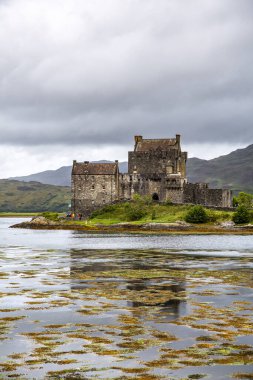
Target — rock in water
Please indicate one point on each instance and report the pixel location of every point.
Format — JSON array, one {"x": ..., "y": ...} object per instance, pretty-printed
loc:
[{"x": 36, "y": 221}]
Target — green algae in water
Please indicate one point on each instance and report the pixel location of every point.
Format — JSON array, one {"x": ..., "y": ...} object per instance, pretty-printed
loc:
[{"x": 127, "y": 310}]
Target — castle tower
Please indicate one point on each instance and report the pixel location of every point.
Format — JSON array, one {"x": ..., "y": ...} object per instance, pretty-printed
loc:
[
  {"x": 93, "y": 185},
  {"x": 157, "y": 167},
  {"x": 160, "y": 156}
]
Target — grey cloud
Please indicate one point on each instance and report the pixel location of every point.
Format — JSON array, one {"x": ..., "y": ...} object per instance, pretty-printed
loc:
[{"x": 98, "y": 72}]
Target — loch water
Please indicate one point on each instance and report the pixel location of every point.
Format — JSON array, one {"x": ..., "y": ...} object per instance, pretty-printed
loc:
[{"x": 124, "y": 306}]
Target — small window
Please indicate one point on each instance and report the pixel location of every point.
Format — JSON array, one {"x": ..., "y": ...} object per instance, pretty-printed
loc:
[
  {"x": 93, "y": 187},
  {"x": 103, "y": 187}
]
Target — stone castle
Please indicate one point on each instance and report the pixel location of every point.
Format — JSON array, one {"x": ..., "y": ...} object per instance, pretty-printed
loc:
[{"x": 156, "y": 167}]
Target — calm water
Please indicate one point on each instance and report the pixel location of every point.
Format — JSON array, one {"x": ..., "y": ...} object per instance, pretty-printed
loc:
[{"x": 96, "y": 306}]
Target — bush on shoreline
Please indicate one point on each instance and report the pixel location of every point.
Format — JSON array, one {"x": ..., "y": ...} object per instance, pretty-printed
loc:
[
  {"x": 197, "y": 214},
  {"x": 242, "y": 215}
]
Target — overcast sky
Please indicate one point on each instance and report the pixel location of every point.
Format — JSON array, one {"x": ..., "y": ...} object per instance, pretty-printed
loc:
[{"x": 78, "y": 79}]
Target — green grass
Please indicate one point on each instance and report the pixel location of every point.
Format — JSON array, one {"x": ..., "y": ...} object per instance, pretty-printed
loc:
[
  {"x": 163, "y": 214},
  {"x": 17, "y": 214}
]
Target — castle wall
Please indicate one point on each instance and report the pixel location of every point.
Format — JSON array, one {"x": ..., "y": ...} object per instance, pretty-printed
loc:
[
  {"x": 227, "y": 198},
  {"x": 152, "y": 185},
  {"x": 199, "y": 193},
  {"x": 131, "y": 184},
  {"x": 166, "y": 162},
  {"x": 90, "y": 192},
  {"x": 175, "y": 195}
]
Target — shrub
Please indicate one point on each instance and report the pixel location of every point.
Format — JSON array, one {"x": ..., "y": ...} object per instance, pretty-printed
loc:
[
  {"x": 197, "y": 214},
  {"x": 245, "y": 199},
  {"x": 134, "y": 211},
  {"x": 242, "y": 215},
  {"x": 107, "y": 208},
  {"x": 235, "y": 202}
]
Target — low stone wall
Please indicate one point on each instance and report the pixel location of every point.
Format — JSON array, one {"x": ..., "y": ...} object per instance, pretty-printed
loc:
[{"x": 199, "y": 193}]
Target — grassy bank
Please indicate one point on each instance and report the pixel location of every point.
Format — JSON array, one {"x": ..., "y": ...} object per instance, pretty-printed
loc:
[
  {"x": 141, "y": 212},
  {"x": 143, "y": 215},
  {"x": 143, "y": 218}
]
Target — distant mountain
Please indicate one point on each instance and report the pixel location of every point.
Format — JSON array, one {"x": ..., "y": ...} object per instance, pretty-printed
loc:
[
  {"x": 59, "y": 177},
  {"x": 16, "y": 196},
  {"x": 233, "y": 171}
]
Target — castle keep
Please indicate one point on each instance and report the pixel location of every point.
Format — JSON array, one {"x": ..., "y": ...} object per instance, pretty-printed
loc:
[{"x": 156, "y": 167}]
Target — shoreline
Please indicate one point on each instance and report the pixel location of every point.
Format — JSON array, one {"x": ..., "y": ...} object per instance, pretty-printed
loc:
[{"x": 145, "y": 228}]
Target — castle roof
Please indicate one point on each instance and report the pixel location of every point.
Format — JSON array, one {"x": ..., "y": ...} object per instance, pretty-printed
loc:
[
  {"x": 145, "y": 145},
  {"x": 94, "y": 168}
]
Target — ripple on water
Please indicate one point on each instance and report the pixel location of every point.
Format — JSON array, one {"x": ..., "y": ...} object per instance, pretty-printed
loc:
[{"x": 179, "y": 307}]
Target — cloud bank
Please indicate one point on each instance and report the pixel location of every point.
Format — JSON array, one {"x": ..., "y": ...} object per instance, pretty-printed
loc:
[
  {"x": 100, "y": 71},
  {"x": 96, "y": 72}
]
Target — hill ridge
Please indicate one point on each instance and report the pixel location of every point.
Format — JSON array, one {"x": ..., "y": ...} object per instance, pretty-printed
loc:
[{"x": 233, "y": 171}]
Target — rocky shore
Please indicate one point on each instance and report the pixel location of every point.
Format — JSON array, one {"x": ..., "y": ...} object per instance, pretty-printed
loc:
[{"x": 40, "y": 222}]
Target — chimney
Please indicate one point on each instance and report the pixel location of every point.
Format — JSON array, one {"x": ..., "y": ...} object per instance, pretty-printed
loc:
[{"x": 137, "y": 139}]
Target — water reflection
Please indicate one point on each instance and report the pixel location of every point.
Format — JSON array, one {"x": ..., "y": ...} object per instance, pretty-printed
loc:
[
  {"x": 137, "y": 292},
  {"x": 151, "y": 313}
]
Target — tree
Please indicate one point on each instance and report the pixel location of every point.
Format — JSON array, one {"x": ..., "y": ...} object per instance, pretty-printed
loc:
[
  {"x": 235, "y": 202},
  {"x": 242, "y": 215},
  {"x": 244, "y": 199}
]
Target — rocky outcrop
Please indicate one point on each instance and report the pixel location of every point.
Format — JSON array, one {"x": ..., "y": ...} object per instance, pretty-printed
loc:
[
  {"x": 36, "y": 222},
  {"x": 179, "y": 225},
  {"x": 228, "y": 224}
]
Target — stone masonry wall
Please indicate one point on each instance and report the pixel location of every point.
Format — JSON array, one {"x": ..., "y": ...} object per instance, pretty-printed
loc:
[
  {"x": 200, "y": 194},
  {"x": 151, "y": 185},
  {"x": 90, "y": 192},
  {"x": 131, "y": 184},
  {"x": 152, "y": 162},
  {"x": 175, "y": 195}
]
